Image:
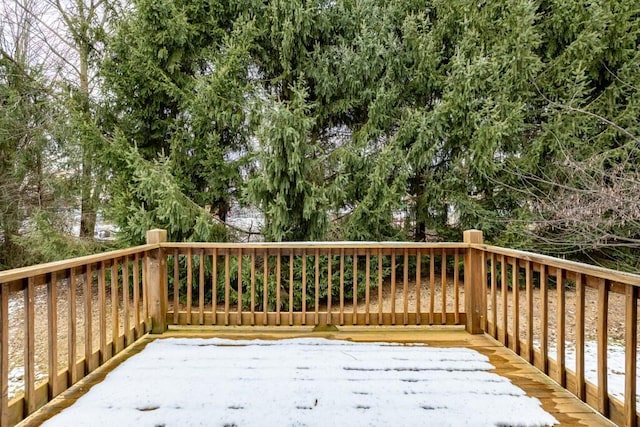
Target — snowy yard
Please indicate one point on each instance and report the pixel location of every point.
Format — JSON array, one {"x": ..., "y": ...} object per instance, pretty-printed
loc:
[
  {"x": 615, "y": 366},
  {"x": 303, "y": 382}
]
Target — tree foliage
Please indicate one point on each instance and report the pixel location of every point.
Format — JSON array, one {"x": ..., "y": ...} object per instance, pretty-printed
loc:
[
  {"x": 23, "y": 179},
  {"x": 289, "y": 184},
  {"x": 177, "y": 74},
  {"x": 363, "y": 120},
  {"x": 580, "y": 168}
]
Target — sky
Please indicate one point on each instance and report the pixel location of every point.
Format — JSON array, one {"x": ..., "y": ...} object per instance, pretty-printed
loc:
[{"x": 302, "y": 382}]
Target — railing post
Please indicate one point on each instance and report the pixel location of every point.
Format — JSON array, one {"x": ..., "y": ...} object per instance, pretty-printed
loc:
[
  {"x": 473, "y": 283},
  {"x": 157, "y": 281}
]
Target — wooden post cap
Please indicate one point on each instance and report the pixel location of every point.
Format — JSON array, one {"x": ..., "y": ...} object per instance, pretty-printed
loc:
[
  {"x": 473, "y": 236},
  {"x": 156, "y": 235}
]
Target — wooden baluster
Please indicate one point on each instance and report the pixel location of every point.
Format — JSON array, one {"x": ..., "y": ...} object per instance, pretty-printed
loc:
[
  {"x": 317, "y": 286},
  {"x": 102, "y": 302},
  {"x": 189, "y": 283},
  {"x": 505, "y": 301},
  {"x": 561, "y": 333},
  {"x": 30, "y": 346},
  {"x": 145, "y": 294},
  {"x": 4, "y": 354},
  {"x": 176, "y": 286},
  {"x": 405, "y": 288},
  {"x": 581, "y": 391},
  {"x": 443, "y": 285},
  {"x": 304, "y": 286},
  {"x": 602, "y": 332},
  {"x": 291, "y": 260},
  {"x": 253, "y": 287},
  {"x": 115, "y": 327},
  {"x": 239, "y": 292},
  {"x": 52, "y": 322},
  {"x": 72, "y": 332},
  {"x": 393, "y": 286},
  {"x": 483, "y": 272},
  {"x": 341, "y": 286},
  {"x": 136, "y": 294},
  {"x": 126, "y": 298},
  {"x": 630, "y": 353},
  {"x": 418, "y": 286},
  {"x": 494, "y": 296},
  {"x": 214, "y": 286},
  {"x": 227, "y": 285},
  {"x": 354, "y": 321},
  {"x": 515, "y": 293},
  {"x": 432, "y": 285},
  {"x": 201, "y": 289},
  {"x": 456, "y": 287},
  {"x": 278, "y": 284},
  {"x": 329, "y": 286},
  {"x": 544, "y": 320},
  {"x": 529, "y": 291},
  {"x": 367, "y": 301},
  {"x": 88, "y": 314},
  {"x": 380, "y": 320},
  {"x": 265, "y": 287}
]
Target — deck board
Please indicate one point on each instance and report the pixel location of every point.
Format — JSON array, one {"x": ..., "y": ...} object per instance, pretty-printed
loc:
[{"x": 565, "y": 407}]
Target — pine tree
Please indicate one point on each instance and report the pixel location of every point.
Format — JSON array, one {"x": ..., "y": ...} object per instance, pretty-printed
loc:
[
  {"x": 178, "y": 74},
  {"x": 338, "y": 52},
  {"x": 288, "y": 185},
  {"x": 23, "y": 147},
  {"x": 452, "y": 99}
]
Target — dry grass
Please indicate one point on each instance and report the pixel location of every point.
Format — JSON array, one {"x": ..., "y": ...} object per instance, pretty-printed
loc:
[{"x": 17, "y": 339}]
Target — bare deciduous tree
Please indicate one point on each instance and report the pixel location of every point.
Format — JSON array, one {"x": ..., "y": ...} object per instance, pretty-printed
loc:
[{"x": 70, "y": 34}]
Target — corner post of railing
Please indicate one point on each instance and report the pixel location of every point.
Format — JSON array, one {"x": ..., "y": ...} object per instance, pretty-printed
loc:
[
  {"x": 157, "y": 281},
  {"x": 473, "y": 282}
]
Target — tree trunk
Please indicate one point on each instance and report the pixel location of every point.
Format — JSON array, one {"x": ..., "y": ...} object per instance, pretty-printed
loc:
[
  {"x": 418, "y": 192},
  {"x": 223, "y": 209},
  {"x": 88, "y": 204}
]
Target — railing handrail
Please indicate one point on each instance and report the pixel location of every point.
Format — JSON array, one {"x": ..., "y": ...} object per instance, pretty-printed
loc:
[
  {"x": 577, "y": 267},
  {"x": 318, "y": 245},
  {"x": 50, "y": 267}
]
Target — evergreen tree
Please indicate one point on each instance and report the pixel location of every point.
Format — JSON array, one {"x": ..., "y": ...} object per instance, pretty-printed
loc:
[
  {"x": 24, "y": 176},
  {"x": 353, "y": 110},
  {"x": 289, "y": 183},
  {"x": 338, "y": 52},
  {"x": 464, "y": 111},
  {"x": 178, "y": 74}
]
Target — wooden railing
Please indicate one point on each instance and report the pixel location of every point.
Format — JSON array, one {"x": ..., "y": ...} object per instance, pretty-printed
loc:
[
  {"x": 224, "y": 284},
  {"x": 550, "y": 311},
  {"x": 73, "y": 316},
  {"x": 314, "y": 284},
  {"x": 79, "y": 313}
]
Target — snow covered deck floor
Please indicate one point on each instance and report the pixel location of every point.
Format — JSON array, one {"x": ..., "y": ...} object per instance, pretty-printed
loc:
[{"x": 556, "y": 401}]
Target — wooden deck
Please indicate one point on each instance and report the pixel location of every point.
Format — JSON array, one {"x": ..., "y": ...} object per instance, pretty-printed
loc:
[{"x": 565, "y": 407}]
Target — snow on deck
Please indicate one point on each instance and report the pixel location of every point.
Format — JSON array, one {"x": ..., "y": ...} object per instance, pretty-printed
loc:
[{"x": 302, "y": 382}]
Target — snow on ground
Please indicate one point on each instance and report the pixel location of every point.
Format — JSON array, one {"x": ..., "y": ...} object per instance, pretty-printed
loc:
[
  {"x": 302, "y": 382},
  {"x": 615, "y": 365}
]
